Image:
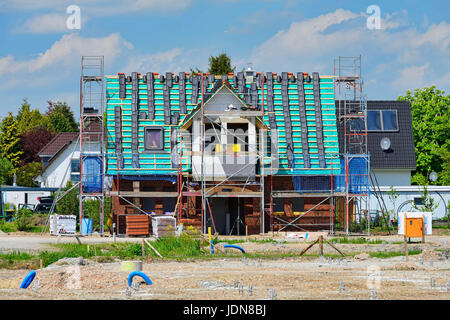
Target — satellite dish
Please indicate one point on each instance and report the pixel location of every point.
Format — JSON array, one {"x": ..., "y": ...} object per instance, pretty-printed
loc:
[
  {"x": 385, "y": 143},
  {"x": 433, "y": 176}
]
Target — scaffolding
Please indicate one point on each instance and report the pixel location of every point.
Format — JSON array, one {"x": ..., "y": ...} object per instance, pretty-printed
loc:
[
  {"x": 92, "y": 136},
  {"x": 352, "y": 114},
  {"x": 345, "y": 194},
  {"x": 210, "y": 187}
]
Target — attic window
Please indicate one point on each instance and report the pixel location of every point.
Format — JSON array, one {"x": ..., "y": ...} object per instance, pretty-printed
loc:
[
  {"x": 154, "y": 138},
  {"x": 382, "y": 120}
]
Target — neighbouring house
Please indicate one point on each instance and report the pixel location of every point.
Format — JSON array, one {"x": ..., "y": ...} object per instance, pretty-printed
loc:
[
  {"x": 60, "y": 160},
  {"x": 61, "y": 157},
  {"x": 390, "y": 142},
  {"x": 16, "y": 195},
  {"x": 246, "y": 151}
]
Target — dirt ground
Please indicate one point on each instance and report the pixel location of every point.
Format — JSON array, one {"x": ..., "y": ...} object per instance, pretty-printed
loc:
[{"x": 426, "y": 276}]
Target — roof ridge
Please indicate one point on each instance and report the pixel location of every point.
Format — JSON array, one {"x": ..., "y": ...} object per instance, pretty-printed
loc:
[{"x": 53, "y": 140}]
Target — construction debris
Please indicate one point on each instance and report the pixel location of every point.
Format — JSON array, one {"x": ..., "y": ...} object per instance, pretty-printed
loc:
[
  {"x": 362, "y": 256},
  {"x": 163, "y": 226},
  {"x": 429, "y": 254}
]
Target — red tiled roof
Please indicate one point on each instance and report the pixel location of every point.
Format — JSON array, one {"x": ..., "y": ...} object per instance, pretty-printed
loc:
[{"x": 57, "y": 143}]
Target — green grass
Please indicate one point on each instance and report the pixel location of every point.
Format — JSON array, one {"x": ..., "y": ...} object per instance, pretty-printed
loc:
[
  {"x": 446, "y": 227},
  {"x": 361, "y": 240},
  {"x": 391, "y": 254},
  {"x": 7, "y": 226},
  {"x": 13, "y": 259},
  {"x": 235, "y": 241},
  {"x": 172, "y": 248},
  {"x": 346, "y": 240}
]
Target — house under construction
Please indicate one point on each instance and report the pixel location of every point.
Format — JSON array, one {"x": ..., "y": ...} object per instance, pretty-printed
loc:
[{"x": 246, "y": 151}]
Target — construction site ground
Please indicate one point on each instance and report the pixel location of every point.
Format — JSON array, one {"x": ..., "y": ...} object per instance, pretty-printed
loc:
[{"x": 235, "y": 277}]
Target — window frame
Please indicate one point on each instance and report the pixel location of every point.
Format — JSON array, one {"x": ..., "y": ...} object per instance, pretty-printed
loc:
[
  {"x": 75, "y": 173},
  {"x": 155, "y": 150},
  {"x": 380, "y": 111}
]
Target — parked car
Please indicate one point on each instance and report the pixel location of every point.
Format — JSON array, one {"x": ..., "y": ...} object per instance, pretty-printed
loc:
[
  {"x": 28, "y": 206},
  {"x": 43, "y": 207},
  {"x": 48, "y": 199}
]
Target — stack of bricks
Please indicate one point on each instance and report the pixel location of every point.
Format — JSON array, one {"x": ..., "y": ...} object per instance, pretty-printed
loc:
[{"x": 252, "y": 208}]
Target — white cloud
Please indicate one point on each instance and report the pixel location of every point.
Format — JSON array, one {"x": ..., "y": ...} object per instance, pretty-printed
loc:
[
  {"x": 412, "y": 76},
  {"x": 67, "y": 51},
  {"x": 158, "y": 62},
  {"x": 304, "y": 39},
  {"x": 398, "y": 57},
  {"x": 47, "y": 23}
]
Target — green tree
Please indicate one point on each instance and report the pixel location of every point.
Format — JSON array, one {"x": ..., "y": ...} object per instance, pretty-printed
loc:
[
  {"x": 10, "y": 140},
  {"x": 61, "y": 117},
  {"x": 220, "y": 65},
  {"x": 27, "y": 173},
  {"x": 28, "y": 119},
  {"x": 393, "y": 195},
  {"x": 431, "y": 127},
  {"x": 428, "y": 203},
  {"x": 91, "y": 209},
  {"x": 6, "y": 171},
  {"x": 69, "y": 204}
]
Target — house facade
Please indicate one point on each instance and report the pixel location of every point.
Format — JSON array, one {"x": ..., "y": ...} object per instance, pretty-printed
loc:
[{"x": 230, "y": 152}]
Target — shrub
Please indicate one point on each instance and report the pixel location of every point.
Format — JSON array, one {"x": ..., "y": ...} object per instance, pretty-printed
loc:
[{"x": 23, "y": 220}]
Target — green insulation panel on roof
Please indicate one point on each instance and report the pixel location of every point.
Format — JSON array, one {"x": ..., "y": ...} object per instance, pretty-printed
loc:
[{"x": 151, "y": 117}]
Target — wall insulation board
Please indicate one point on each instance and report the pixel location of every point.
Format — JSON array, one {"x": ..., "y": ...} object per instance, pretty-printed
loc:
[{"x": 151, "y": 163}]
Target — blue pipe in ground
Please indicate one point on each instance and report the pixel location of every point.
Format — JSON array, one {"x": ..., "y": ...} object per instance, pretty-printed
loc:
[
  {"x": 139, "y": 274},
  {"x": 234, "y": 246},
  {"x": 28, "y": 279}
]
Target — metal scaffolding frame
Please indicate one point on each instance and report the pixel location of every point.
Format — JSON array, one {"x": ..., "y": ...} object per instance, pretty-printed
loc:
[
  {"x": 92, "y": 132},
  {"x": 348, "y": 110},
  {"x": 352, "y": 119},
  {"x": 207, "y": 187}
]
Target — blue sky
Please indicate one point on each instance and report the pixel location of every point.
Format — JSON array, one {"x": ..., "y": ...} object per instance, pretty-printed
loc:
[{"x": 40, "y": 56}]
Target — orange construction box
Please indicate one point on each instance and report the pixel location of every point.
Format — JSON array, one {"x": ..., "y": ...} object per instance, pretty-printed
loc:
[{"x": 414, "y": 227}]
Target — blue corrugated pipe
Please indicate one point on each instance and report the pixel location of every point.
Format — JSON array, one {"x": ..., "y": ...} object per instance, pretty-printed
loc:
[
  {"x": 28, "y": 279},
  {"x": 234, "y": 246},
  {"x": 140, "y": 274}
]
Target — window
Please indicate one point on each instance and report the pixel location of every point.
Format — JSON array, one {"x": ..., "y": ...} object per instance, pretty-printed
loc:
[
  {"x": 373, "y": 120},
  {"x": 418, "y": 201},
  {"x": 75, "y": 170},
  {"x": 356, "y": 125},
  {"x": 382, "y": 120},
  {"x": 154, "y": 138},
  {"x": 389, "y": 120}
]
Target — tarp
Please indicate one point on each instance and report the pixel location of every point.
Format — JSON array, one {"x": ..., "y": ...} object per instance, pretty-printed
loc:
[{"x": 92, "y": 169}]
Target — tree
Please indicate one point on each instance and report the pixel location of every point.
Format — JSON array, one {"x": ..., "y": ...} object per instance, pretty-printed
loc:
[
  {"x": 69, "y": 204},
  {"x": 220, "y": 65},
  {"x": 428, "y": 204},
  {"x": 6, "y": 171},
  {"x": 61, "y": 117},
  {"x": 27, "y": 173},
  {"x": 431, "y": 127},
  {"x": 10, "y": 140},
  {"x": 32, "y": 141},
  {"x": 27, "y": 119}
]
